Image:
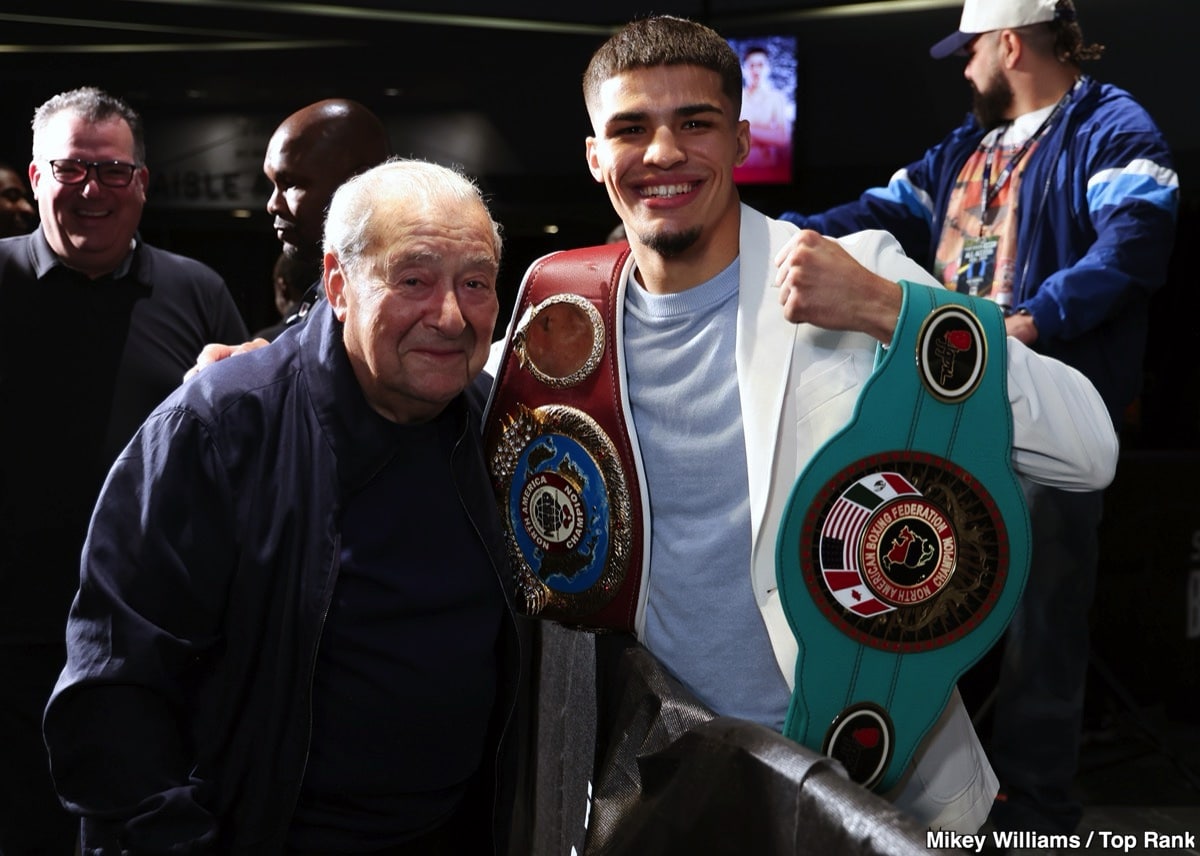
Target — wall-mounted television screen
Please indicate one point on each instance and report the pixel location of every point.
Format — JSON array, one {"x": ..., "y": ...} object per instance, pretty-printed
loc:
[{"x": 769, "y": 104}]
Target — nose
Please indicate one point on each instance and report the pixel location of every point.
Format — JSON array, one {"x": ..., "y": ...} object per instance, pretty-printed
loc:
[
  {"x": 91, "y": 184},
  {"x": 24, "y": 206},
  {"x": 447, "y": 315},
  {"x": 275, "y": 201},
  {"x": 664, "y": 150},
  {"x": 969, "y": 69}
]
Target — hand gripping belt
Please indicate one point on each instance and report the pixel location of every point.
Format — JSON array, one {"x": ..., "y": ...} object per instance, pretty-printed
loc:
[{"x": 904, "y": 544}]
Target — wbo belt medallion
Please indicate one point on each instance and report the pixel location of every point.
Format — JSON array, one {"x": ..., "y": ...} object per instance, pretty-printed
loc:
[
  {"x": 904, "y": 545},
  {"x": 568, "y": 509}
]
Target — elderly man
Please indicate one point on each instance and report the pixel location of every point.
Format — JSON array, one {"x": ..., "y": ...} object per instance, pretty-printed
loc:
[
  {"x": 127, "y": 320},
  {"x": 292, "y": 632},
  {"x": 726, "y": 397}
]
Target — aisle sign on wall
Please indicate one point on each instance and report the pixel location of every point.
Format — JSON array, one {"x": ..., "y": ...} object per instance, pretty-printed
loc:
[{"x": 208, "y": 162}]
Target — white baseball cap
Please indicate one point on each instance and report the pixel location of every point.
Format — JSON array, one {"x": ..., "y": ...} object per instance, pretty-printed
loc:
[{"x": 983, "y": 16}]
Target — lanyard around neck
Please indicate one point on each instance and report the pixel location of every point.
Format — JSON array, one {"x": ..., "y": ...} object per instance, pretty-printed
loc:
[{"x": 990, "y": 190}]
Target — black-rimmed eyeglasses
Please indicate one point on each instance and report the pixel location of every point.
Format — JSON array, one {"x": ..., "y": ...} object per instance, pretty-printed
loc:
[{"x": 112, "y": 173}]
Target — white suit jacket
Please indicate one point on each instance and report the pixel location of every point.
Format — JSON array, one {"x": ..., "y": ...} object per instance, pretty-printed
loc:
[{"x": 798, "y": 386}]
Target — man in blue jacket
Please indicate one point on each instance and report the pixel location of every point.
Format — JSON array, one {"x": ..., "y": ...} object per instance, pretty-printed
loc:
[
  {"x": 1057, "y": 199},
  {"x": 293, "y": 631}
]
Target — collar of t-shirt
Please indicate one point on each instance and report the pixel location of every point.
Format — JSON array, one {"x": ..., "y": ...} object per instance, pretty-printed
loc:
[{"x": 1018, "y": 130}]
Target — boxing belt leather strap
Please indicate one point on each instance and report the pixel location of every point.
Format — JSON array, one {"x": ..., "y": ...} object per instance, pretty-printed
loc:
[
  {"x": 904, "y": 544},
  {"x": 558, "y": 445}
]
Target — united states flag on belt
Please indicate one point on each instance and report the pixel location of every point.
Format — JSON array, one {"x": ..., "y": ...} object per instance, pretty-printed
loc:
[{"x": 841, "y": 536}]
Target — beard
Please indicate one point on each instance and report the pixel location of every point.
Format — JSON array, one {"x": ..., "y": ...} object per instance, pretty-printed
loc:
[
  {"x": 992, "y": 105},
  {"x": 671, "y": 244}
]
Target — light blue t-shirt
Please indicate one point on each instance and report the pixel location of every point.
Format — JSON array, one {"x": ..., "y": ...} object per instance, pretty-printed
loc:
[{"x": 701, "y": 619}]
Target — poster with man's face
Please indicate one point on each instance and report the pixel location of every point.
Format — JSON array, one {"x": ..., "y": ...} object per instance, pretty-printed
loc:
[{"x": 769, "y": 105}]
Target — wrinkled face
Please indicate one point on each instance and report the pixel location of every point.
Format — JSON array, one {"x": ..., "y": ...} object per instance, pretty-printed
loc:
[
  {"x": 16, "y": 214},
  {"x": 666, "y": 140},
  {"x": 304, "y": 176},
  {"x": 992, "y": 93},
  {"x": 89, "y": 225},
  {"x": 419, "y": 313}
]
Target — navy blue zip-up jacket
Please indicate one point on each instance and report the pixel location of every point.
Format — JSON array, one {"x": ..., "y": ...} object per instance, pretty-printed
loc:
[
  {"x": 1097, "y": 207},
  {"x": 181, "y": 721}
]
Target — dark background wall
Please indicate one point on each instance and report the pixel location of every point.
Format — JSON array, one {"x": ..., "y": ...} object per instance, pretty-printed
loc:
[{"x": 495, "y": 87}]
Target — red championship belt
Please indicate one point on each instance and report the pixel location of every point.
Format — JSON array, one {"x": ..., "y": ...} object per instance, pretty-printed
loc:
[{"x": 558, "y": 446}]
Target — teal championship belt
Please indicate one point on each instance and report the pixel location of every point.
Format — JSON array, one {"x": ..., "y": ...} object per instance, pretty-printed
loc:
[{"x": 904, "y": 544}]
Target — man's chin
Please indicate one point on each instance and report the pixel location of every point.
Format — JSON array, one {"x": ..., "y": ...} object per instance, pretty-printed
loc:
[
  {"x": 299, "y": 253},
  {"x": 671, "y": 244}
]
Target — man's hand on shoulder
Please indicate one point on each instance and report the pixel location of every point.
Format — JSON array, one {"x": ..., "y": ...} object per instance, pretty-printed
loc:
[
  {"x": 820, "y": 283},
  {"x": 214, "y": 353}
]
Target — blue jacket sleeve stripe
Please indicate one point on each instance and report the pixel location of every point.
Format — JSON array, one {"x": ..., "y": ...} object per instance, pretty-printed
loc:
[{"x": 1141, "y": 181}]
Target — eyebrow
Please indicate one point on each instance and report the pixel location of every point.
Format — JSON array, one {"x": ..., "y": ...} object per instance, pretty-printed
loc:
[
  {"x": 684, "y": 111},
  {"x": 486, "y": 262}
]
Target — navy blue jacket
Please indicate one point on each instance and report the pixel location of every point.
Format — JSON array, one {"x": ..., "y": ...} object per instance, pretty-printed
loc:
[
  {"x": 1098, "y": 202},
  {"x": 181, "y": 722}
]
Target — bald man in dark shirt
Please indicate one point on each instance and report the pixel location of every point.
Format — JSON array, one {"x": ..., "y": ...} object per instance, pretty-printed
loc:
[{"x": 310, "y": 155}]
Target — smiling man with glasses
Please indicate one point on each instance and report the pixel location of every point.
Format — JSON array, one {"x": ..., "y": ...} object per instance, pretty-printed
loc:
[
  {"x": 100, "y": 329},
  {"x": 111, "y": 173},
  {"x": 89, "y": 177}
]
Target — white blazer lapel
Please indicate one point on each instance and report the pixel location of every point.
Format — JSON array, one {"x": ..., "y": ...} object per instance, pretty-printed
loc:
[{"x": 764, "y": 352}]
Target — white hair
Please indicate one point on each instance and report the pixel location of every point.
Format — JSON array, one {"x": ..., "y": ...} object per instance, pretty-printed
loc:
[{"x": 348, "y": 227}]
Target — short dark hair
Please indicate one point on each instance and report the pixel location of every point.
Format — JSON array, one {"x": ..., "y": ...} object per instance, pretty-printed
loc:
[
  {"x": 298, "y": 274},
  {"x": 664, "y": 40},
  {"x": 93, "y": 105}
]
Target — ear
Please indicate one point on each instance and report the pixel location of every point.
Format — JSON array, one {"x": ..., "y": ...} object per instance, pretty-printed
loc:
[
  {"x": 35, "y": 176},
  {"x": 743, "y": 142},
  {"x": 142, "y": 176},
  {"x": 334, "y": 280},
  {"x": 1010, "y": 48},
  {"x": 593, "y": 159}
]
